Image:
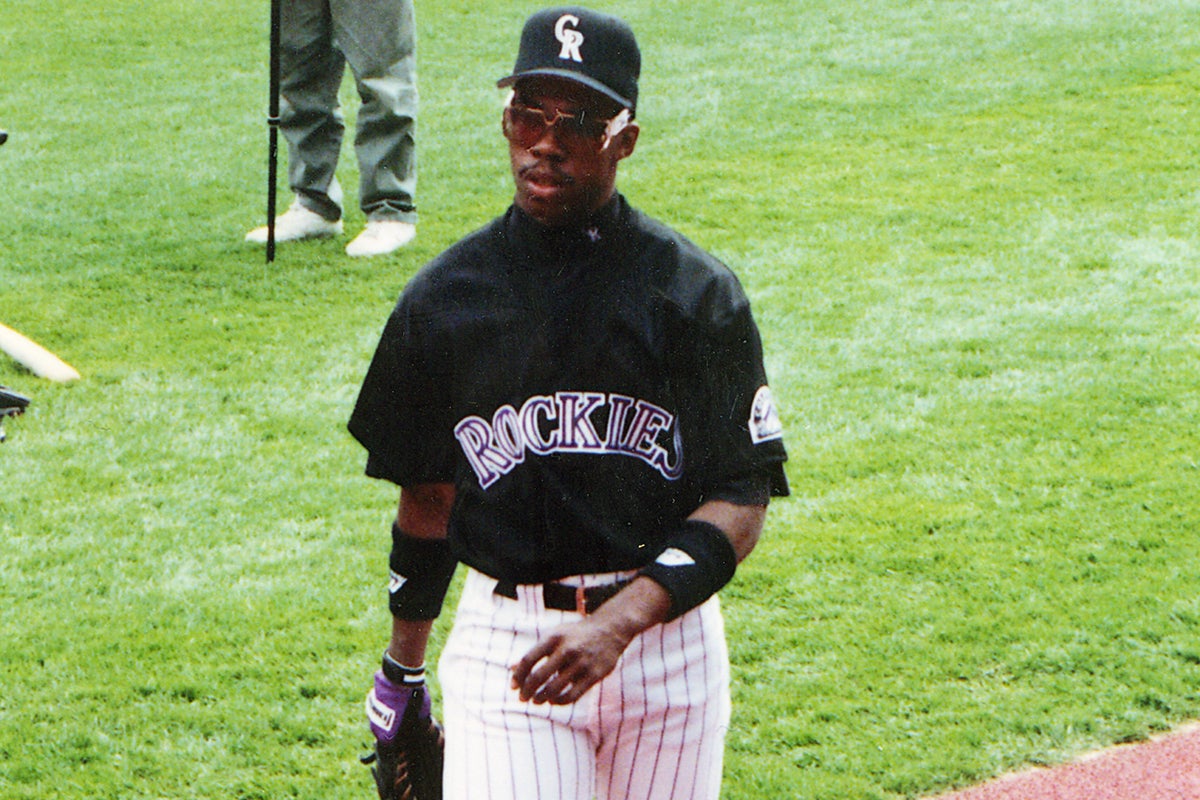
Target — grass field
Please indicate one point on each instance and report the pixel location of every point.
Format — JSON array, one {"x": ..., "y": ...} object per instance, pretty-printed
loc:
[{"x": 970, "y": 232}]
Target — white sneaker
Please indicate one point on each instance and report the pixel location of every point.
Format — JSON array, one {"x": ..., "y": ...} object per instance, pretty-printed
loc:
[
  {"x": 295, "y": 224},
  {"x": 381, "y": 236}
]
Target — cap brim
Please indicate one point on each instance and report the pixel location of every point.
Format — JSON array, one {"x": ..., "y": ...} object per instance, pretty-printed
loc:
[{"x": 568, "y": 75}]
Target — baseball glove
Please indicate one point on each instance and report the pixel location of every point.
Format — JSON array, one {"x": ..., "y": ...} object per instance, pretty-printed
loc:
[
  {"x": 12, "y": 404},
  {"x": 408, "y": 766}
]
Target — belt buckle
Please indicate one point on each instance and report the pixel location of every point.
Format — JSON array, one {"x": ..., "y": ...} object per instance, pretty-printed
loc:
[{"x": 581, "y": 601}]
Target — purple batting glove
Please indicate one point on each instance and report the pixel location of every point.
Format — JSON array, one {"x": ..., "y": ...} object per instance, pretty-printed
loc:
[{"x": 388, "y": 702}]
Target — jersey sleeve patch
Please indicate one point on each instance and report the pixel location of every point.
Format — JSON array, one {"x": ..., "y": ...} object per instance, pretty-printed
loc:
[{"x": 764, "y": 419}]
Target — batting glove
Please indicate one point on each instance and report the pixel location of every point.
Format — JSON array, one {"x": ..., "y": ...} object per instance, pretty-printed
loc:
[{"x": 387, "y": 702}]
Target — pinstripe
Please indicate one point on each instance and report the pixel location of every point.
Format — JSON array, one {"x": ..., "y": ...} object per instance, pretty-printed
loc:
[
  {"x": 532, "y": 611},
  {"x": 512, "y": 773},
  {"x": 495, "y": 760},
  {"x": 572, "y": 751},
  {"x": 707, "y": 671},
  {"x": 602, "y": 724},
  {"x": 687, "y": 690},
  {"x": 643, "y": 685},
  {"x": 717, "y": 719},
  {"x": 652, "y": 730},
  {"x": 684, "y": 724},
  {"x": 690, "y": 680},
  {"x": 664, "y": 715},
  {"x": 501, "y": 748}
]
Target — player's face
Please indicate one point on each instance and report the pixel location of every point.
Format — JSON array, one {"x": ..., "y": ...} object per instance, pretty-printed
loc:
[{"x": 568, "y": 170}]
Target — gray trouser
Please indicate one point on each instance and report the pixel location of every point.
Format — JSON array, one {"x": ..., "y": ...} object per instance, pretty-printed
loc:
[{"x": 377, "y": 38}]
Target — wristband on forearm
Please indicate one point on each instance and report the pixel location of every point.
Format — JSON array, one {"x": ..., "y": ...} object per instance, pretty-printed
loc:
[
  {"x": 421, "y": 571},
  {"x": 696, "y": 561}
]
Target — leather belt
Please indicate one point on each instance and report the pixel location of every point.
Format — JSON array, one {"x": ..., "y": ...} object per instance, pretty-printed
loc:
[{"x": 561, "y": 597}]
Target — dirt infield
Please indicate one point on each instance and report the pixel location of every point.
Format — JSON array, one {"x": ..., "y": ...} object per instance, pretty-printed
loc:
[{"x": 1165, "y": 768}]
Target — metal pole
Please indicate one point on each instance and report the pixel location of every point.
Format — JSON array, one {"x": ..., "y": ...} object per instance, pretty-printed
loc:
[{"x": 273, "y": 129}]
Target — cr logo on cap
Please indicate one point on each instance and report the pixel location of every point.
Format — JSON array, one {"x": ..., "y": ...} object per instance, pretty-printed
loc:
[{"x": 571, "y": 39}]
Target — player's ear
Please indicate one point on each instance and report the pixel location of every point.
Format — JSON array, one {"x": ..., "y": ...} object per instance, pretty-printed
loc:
[{"x": 623, "y": 143}]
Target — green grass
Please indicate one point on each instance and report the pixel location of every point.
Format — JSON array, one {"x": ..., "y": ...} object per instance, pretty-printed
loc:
[{"x": 970, "y": 234}]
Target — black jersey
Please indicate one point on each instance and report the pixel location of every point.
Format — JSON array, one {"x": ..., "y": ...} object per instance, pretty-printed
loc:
[{"x": 583, "y": 390}]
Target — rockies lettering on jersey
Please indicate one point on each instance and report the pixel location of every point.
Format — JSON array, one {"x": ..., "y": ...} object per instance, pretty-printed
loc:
[{"x": 566, "y": 422}]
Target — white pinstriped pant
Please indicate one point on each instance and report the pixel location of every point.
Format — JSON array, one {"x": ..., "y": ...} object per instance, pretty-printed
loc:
[{"x": 652, "y": 730}]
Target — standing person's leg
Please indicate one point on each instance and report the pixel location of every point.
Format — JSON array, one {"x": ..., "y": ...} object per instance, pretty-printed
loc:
[
  {"x": 663, "y": 720},
  {"x": 310, "y": 74},
  {"x": 379, "y": 43},
  {"x": 311, "y": 69}
]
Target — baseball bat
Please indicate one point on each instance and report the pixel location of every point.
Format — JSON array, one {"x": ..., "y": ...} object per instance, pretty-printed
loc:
[
  {"x": 34, "y": 357},
  {"x": 273, "y": 128}
]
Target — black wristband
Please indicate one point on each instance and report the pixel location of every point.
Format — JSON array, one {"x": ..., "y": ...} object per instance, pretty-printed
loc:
[
  {"x": 421, "y": 571},
  {"x": 697, "y": 560}
]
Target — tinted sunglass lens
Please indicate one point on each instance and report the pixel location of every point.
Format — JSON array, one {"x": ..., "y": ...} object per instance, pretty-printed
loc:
[{"x": 526, "y": 126}]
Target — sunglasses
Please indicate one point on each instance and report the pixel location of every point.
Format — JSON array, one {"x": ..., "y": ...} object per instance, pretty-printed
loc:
[{"x": 525, "y": 126}]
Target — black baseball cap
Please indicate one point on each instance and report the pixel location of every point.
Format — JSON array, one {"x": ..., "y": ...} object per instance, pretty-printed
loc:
[{"x": 594, "y": 49}]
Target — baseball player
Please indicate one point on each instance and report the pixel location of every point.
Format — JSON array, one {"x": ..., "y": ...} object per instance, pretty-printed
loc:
[{"x": 573, "y": 402}]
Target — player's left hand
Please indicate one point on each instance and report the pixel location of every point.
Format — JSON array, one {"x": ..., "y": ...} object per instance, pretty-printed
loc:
[{"x": 561, "y": 667}]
